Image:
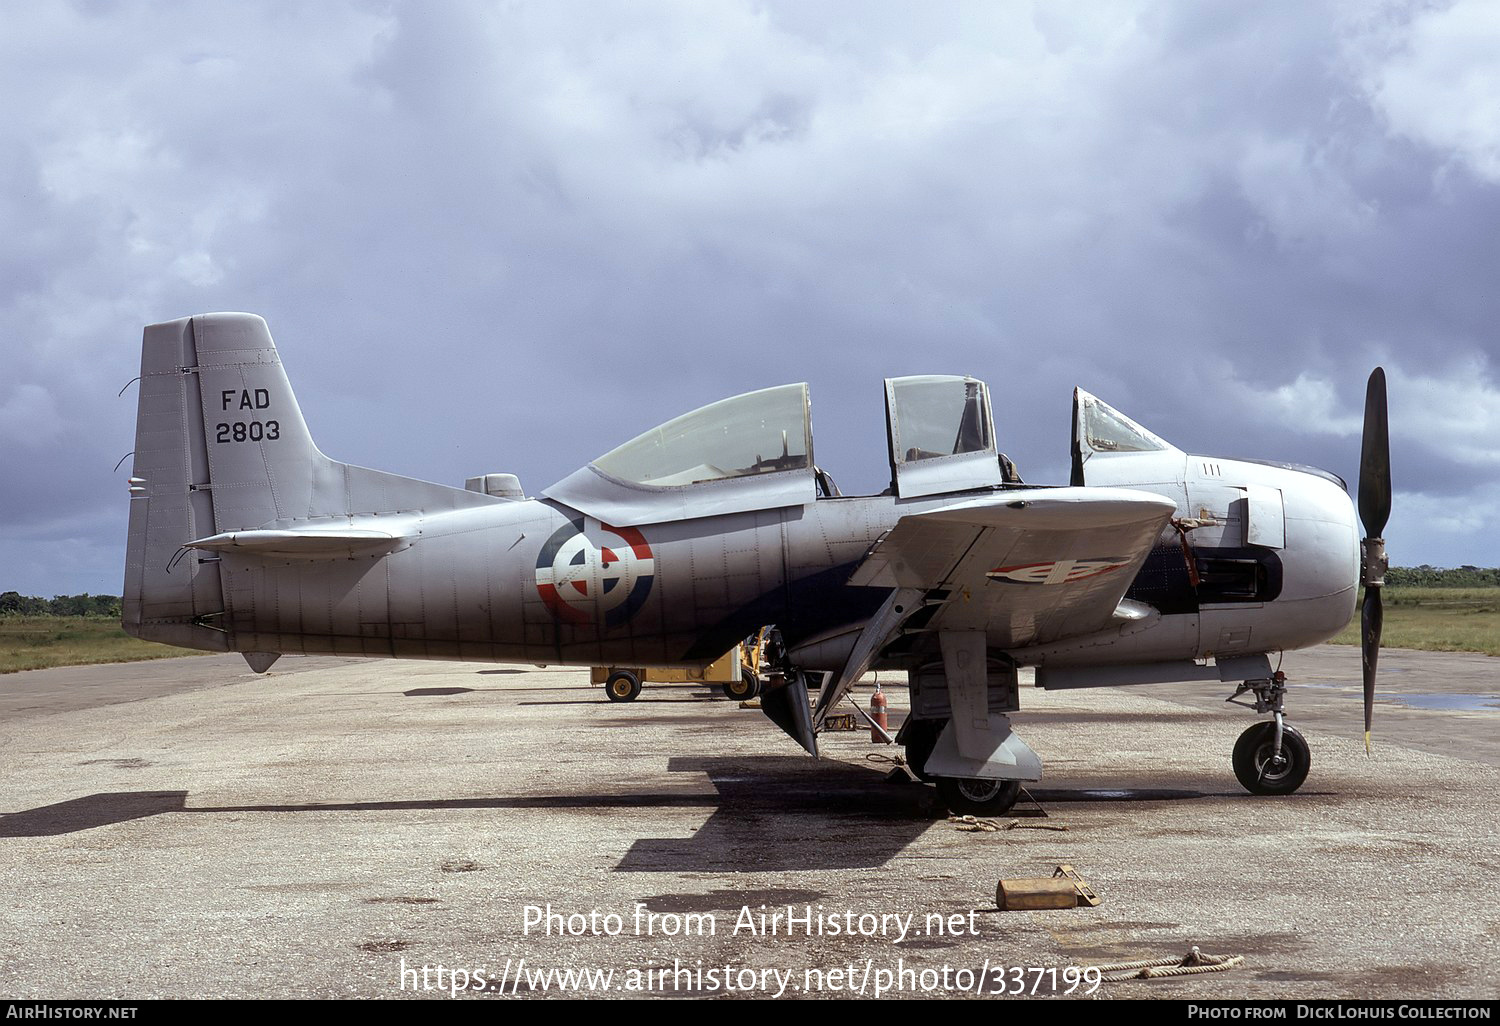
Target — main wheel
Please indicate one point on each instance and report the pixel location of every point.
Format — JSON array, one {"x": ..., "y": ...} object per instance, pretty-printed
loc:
[
  {"x": 978, "y": 797},
  {"x": 743, "y": 689},
  {"x": 622, "y": 686},
  {"x": 1259, "y": 772}
]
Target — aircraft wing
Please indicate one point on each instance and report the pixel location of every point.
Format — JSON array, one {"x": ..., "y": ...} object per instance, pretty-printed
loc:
[{"x": 1024, "y": 567}]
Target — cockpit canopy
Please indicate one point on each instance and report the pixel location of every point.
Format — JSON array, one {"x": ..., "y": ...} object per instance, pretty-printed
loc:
[
  {"x": 941, "y": 435},
  {"x": 937, "y": 415},
  {"x": 749, "y": 452},
  {"x": 755, "y": 451},
  {"x": 763, "y": 432},
  {"x": 1100, "y": 428}
]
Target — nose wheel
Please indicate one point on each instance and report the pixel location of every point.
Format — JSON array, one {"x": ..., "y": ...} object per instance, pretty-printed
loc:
[
  {"x": 1265, "y": 767},
  {"x": 1270, "y": 757}
]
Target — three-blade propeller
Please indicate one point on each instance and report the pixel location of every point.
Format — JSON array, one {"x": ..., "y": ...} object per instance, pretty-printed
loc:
[{"x": 1374, "y": 511}]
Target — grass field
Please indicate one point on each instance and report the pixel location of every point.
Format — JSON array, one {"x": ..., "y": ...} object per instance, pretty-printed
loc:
[
  {"x": 1437, "y": 620},
  {"x": 36, "y": 642}
]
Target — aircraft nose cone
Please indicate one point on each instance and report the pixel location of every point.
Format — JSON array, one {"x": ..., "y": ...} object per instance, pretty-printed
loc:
[{"x": 1323, "y": 538}]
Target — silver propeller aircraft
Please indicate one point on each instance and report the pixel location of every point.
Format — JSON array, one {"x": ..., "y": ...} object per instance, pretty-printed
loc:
[{"x": 1153, "y": 565}]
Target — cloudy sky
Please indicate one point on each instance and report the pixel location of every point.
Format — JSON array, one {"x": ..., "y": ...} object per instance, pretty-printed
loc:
[{"x": 507, "y": 236}]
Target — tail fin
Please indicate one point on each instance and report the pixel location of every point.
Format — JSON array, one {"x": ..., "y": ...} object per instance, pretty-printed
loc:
[{"x": 221, "y": 447}]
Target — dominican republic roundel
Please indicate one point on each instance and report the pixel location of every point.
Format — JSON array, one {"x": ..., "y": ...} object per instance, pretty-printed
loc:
[
  {"x": 1061, "y": 571},
  {"x": 589, "y": 572}
]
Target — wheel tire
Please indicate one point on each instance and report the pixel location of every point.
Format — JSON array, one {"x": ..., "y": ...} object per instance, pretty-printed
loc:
[
  {"x": 622, "y": 686},
  {"x": 743, "y": 689},
  {"x": 920, "y": 738},
  {"x": 976, "y": 797},
  {"x": 1252, "y": 754}
]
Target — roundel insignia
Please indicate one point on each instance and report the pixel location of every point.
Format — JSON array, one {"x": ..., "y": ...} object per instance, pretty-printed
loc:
[
  {"x": 1060, "y": 571},
  {"x": 589, "y": 572}
]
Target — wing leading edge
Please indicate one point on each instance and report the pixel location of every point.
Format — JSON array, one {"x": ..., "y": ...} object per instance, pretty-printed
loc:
[{"x": 1024, "y": 568}]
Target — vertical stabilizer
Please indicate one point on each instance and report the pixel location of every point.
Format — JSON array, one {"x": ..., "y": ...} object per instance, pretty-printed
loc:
[{"x": 221, "y": 447}]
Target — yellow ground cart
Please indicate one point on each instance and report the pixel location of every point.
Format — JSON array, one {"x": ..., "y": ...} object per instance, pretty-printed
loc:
[{"x": 737, "y": 672}]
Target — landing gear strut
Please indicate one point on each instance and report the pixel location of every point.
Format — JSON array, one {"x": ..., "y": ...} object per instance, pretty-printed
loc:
[{"x": 1270, "y": 757}]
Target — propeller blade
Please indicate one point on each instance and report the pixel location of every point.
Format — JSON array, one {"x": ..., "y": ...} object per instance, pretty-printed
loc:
[
  {"x": 1375, "y": 459},
  {"x": 1371, "y": 618},
  {"x": 1374, "y": 511}
]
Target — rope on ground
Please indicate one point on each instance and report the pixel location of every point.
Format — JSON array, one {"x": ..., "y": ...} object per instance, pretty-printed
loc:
[
  {"x": 975, "y": 825},
  {"x": 1194, "y": 963}
]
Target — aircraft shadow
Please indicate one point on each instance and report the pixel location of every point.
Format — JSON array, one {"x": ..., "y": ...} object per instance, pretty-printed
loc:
[
  {"x": 776, "y": 816},
  {"x": 773, "y": 815},
  {"x": 91, "y": 811},
  {"x": 111, "y": 807},
  {"x": 768, "y": 814},
  {"x": 696, "y": 700}
]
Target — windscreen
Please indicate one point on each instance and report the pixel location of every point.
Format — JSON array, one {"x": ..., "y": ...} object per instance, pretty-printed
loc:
[{"x": 1107, "y": 430}]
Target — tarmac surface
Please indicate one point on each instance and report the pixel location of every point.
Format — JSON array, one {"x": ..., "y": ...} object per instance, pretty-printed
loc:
[{"x": 185, "y": 828}]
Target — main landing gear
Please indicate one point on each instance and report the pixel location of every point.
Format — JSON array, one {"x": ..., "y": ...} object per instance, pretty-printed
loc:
[
  {"x": 1270, "y": 757},
  {"x": 966, "y": 796}
]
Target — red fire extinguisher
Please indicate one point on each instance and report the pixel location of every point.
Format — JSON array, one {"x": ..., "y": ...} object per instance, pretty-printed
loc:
[{"x": 878, "y": 717}]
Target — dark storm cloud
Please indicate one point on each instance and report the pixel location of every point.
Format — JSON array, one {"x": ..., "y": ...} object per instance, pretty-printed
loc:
[{"x": 509, "y": 236}]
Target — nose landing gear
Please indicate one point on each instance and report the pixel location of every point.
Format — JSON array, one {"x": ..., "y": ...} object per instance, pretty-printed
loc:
[{"x": 1270, "y": 757}]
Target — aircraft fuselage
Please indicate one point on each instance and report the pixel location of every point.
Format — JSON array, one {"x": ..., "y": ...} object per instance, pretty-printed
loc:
[{"x": 548, "y": 584}]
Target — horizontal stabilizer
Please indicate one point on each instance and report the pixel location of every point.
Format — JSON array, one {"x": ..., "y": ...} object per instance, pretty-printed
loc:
[{"x": 342, "y": 544}]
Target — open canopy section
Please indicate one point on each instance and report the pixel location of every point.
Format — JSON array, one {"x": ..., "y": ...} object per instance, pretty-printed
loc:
[
  {"x": 752, "y": 451},
  {"x": 941, "y": 434}
]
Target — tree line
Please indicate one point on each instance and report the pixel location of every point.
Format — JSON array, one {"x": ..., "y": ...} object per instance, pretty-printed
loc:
[
  {"x": 1425, "y": 576},
  {"x": 15, "y": 604}
]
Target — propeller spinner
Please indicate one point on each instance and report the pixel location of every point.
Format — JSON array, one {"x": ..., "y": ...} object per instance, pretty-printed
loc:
[{"x": 1374, "y": 511}]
